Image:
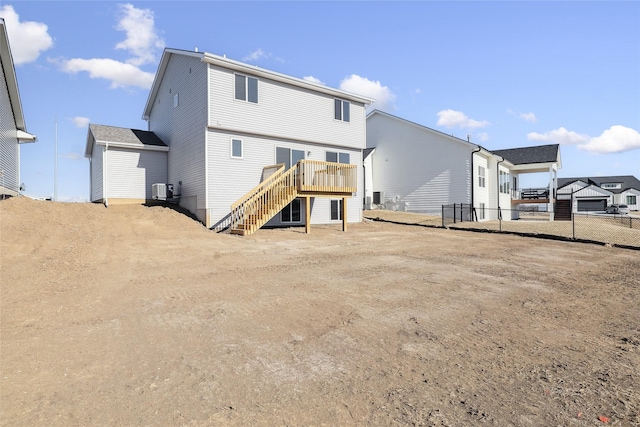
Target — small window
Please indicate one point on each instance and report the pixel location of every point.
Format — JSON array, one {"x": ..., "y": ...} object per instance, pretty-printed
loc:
[
  {"x": 481, "y": 177},
  {"x": 336, "y": 210},
  {"x": 246, "y": 88},
  {"x": 342, "y": 110},
  {"x": 631, "y": 200},
  {"x": 236, "y": 148},
  {"x": 332, "y": 156},
  {"x": 175, "y": 100}
]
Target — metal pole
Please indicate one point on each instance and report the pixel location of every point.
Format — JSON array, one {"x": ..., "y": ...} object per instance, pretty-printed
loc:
[{"x": 55, "y": 165}]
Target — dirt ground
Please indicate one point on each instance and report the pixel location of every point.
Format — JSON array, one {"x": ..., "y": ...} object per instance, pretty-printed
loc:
[{"x": 137, "y": 315}]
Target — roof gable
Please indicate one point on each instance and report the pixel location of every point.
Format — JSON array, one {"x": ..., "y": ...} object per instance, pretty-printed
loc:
[
  {"x": 12, "y": 85},
  {"x": 406, "y": 122},
  {"x": 626, "y": 182}
]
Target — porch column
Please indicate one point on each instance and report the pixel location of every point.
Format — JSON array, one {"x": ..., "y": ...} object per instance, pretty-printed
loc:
[
  {"x": 344, "y": 214},
  {"x": 307, "y": 214}
]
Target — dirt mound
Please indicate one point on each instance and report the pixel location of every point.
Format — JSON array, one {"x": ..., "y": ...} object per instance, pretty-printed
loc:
[{"x": 28, "y": 218}]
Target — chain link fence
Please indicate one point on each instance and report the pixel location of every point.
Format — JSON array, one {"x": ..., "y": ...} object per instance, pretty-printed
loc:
[{"x": 617, "y": 230}]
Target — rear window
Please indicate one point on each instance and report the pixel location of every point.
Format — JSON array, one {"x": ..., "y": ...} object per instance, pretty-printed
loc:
[{"x": 623, "y": 206}]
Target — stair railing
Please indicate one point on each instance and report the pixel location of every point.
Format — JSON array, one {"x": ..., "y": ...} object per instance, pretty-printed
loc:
[
  {"x": 258, "y": 207},
  {"x": 269, "y": 174}
]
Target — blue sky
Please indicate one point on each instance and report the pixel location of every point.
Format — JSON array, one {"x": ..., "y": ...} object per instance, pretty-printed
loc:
[{"x": 508, "y": 74}]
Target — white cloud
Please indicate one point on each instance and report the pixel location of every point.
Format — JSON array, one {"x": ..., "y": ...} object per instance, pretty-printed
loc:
[
  {"x": 383, "y": 96},
  {"x": 616, "y": 139},
  {"x": 142, "y": 39},
  {"x": 80, "y": 122},
  {"x": 142, "y": 42},
  {"x": 559, "y": 136},
  {"x": 28, "y": 39},
  {"x": 528, "y": 117},
  {"x": 313, "y": 80},
  {"x": 119, "y": 73},
  {"x": 451, "y": 118},
  {"x": 256, "y": 54},
  {"x": 483, "y": 136}
]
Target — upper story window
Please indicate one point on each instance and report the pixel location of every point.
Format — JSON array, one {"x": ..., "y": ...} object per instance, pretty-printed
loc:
[
  {"x": 481, "y": 178},
  {"x": 342, "y": 110},
  {"x": 176, "y": 100},
  {"x": 611, "y": 186},
  {"x": 246, "y": 88},
  {"x": 504, "y": 182},
  {"x": 332, "y": 156}
]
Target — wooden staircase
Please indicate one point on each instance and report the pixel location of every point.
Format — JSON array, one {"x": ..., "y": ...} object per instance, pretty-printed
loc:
[
  {"x": 562, "y": 210},
  {"x": 264, "y": 201}
]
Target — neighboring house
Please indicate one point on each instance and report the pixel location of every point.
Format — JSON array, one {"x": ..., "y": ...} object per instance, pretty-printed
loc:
[
  {"x": 593, "y": 194},
  {"x": 417, "y": 169},
  {"x": 124, "y": 164},
  {"x": 229, "y": 125},
  {"x": 13, "y": 130}
]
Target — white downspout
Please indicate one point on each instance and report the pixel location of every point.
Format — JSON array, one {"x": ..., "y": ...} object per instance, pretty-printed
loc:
[{"x": 105, "y": 178}]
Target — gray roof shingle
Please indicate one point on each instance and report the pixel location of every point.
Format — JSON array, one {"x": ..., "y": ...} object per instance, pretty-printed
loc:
[
  {"x": 529, "y": 155},
  {"x": 626, "y": 181},
  {"x": 125, "y": 135}
]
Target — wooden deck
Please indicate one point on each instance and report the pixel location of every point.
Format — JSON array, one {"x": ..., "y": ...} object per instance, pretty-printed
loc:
[{"x": 307, "y": 179}]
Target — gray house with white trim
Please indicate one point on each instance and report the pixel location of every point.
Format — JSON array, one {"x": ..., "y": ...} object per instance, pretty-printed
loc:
[{"x": 13, "y": 130}]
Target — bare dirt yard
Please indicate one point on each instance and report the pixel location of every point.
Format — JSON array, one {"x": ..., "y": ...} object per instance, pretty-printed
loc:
[{"x": 138, "y": 315}]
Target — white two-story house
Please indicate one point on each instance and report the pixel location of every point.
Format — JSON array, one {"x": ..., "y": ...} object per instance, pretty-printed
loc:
[
  {"x": 241, "y": 141},
  {"x": 414, "y": 168}
]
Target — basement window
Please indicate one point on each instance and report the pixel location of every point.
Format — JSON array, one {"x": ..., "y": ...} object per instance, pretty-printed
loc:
[{"x": 336, "y": 210}]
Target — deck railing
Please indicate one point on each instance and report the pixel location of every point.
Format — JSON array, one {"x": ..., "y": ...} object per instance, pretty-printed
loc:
[
  {"x": 326, "y": 177},
  {"x": 530, "y": 193}
]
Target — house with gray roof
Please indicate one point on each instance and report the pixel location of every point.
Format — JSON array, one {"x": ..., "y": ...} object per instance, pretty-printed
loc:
[
  {"x": 418, "y": 169},
  {"x": 13, "y": 130},
  {"x": 593, "y": 194},
  {"x": 243, "y": 146},
  {"x": 124, "y": 164}
]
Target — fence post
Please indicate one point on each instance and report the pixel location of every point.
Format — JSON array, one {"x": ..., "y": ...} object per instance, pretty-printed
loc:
[
  {"x": 443, "y": 216},
  {"x": 573, "y": 225}
]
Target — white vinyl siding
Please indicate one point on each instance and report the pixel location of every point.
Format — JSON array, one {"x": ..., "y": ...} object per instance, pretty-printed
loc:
[
  {"x": 131, "y": 173},
  {"x": 228, "y": 182},
  {"x": 481, "y": 193},
  {"x": 284, "y": 111},
  {"x": 9, "y": 148},
  {"x": 97, "y": 175},
  {"x": 419, "y": 168},
  {"x": 183, "y": 129}
]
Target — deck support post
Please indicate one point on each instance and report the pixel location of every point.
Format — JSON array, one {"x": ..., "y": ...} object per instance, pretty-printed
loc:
[
  {"x": 344, "y": 214},
  {"x": 307, "y": 214}
]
